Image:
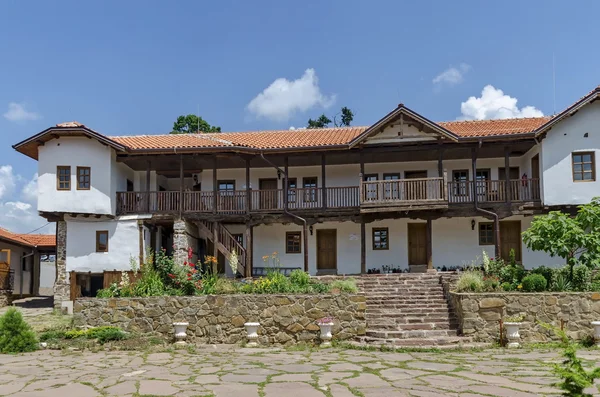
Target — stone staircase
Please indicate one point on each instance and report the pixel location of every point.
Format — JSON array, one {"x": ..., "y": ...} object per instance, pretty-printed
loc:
[{"x": 408, "y": 309}]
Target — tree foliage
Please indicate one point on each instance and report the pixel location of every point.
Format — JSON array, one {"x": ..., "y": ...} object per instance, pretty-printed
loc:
[
  {"x": 345, "y": 119},
  {"x": 192, "y": 124},
  {"x": 575, "y": 239}
]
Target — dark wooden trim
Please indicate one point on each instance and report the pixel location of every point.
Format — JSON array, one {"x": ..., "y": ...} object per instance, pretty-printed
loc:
[
  {"x": 216, "y": 240},
  {"x": 387, "y": 236},
  {"x": 62, "y": 167},
  {"x": 593, "y": 155},
  {"x": 441, "y": 162},
  {"x": 149, "y": 167},
  {"x": 323, "y": 178},
  {"x": 181, "y": 201},
  {"x": 305, "y": 243},
  {"x": 249, "y": 250},
  {"x": 363, "y": 247},
  {"x": 507, "y": 173},
  {"x": 248, "y": 193},
  {"x": 79, "y": 176},
  {"x": 214, "y": 199},
  {"x": 287, "y": 236},
  {"x": 429, "y": 229},
  {"x": 98, "y": 234}
]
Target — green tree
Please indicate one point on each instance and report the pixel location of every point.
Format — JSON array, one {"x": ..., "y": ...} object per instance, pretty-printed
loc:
[
  {"x": 16, "y": 336},
  {"x": 192, "y": 124},
  {"x": 575, "y": 239},
  {"x": 346, "y": 117}
]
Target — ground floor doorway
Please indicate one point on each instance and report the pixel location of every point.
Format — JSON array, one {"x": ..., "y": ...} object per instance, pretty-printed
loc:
[{"x": 327, "y": 251}]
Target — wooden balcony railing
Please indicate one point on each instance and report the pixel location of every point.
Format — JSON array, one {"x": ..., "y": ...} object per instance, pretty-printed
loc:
[
  {"x": 489, "y": 191},
  {"x": 424, "y": 191},
  {"x": 399, "y": 191}
]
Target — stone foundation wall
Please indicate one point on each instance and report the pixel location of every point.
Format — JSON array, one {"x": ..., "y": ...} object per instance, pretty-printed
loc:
[
  {"x": 479, "y": 314},
  {"x": 5, "y": 298},
  {"x": 62, "y": 287},
  {"x": 284, "y": 319}
]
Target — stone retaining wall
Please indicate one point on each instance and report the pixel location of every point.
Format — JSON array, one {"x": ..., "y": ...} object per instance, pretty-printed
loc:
[
  {"x": 284, "y": 319},
  {"x": 479, "y": 314}
]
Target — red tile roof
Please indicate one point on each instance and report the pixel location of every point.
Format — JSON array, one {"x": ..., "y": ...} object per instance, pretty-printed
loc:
[
  {"x": 482, "y": 128},
  {"x": 29, "y": 240},
  {"x": 170, "y": 141}
]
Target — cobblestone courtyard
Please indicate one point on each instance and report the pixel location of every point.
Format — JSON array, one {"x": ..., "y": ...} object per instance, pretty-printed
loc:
[{"x": 234, "y": 371}]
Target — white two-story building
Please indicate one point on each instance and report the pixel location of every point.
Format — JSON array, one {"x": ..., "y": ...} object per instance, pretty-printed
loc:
[{"x": 405, "y": 192}]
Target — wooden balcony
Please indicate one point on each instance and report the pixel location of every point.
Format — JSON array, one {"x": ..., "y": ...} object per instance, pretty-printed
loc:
[{"x": 369, "y": 196}]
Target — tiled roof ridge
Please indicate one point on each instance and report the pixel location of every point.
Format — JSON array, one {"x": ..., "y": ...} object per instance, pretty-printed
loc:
[{"x": 494, "y": 120}]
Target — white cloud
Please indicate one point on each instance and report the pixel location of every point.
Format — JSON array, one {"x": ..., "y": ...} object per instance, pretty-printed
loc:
[
  {"x": 495, "y": 104},
  {"x": 452, "y": 75},
  {"x": 280, "y": 100},
  {"x": 17, "y": 112},
  {"x": 18, "y": 203}
]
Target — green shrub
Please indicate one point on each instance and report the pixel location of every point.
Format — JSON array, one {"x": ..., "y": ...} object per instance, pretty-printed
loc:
[
  {"x": 560, "y": 283},
  {"x": 491, "y": 284},
  {"x": 512, "y": 273},
  {"x": 75, "y": 333},
  {"x": 106, "y": 334},
  {"x": 225, "y": 286},
  {"x": 111, "y": 292},
  {"x": 470, "y": 281},
  {"x": 52, "y": 334},
  {"x": 149, "y": 284},
  {"x": 545, "y": 271},
  {"x": 319, "y": 288},
  {"x": 534, "y": 283},
  {"x": 16, "y": 336},
  {"x": 299, "y": 278},
  {"x": 348, "y": 285},
  {"x": 507, "y": 286},
  {"x": 582, "y": 278}
]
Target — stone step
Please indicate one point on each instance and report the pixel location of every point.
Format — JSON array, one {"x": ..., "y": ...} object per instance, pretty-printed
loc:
[
  {"x": 412, "y": 312},
  {"x": 431, "y": 333},
  {"x": 407, "y": 303},
  {"x": 409, "y": 320},
  {"x": 438, "y": 342},
  {"x": 411, "y": 327},
  {"x": 406, "y": 291}
]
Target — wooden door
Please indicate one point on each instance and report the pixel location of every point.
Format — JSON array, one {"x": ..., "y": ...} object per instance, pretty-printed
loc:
[
  {"x": 327, "y": 250},
  {"x": 268, "y": 193},
  {"x": 510, "y": 238},
  {"x": 417, "y": 246},
  {"x": 415, "y": 191},
  {"x": 513, "y": 175}
]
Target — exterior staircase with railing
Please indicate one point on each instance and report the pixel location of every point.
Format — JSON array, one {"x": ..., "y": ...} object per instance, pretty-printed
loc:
[{"x": 225, "y": 243}]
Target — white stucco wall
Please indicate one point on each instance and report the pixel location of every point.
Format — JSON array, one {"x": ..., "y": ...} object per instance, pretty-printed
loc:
[
  {"x": 563, "y": 139},
  {"x": 123, "y": 244},
  {"x": 16, "y": 254}
]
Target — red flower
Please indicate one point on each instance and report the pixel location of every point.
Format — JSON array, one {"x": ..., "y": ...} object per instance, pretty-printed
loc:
[
  {"x": 190, "y": 253},
  {"x": 171, "y": 275}
]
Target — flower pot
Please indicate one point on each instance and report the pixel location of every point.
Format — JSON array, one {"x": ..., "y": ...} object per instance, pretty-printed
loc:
[
  {"x": 596, "y": 325},
  {"x": 180, "y": 334},
  {"x": 326, "y": 334},
  {"x": 512, "y": 334},
  {"x": 252, "y": 330}
]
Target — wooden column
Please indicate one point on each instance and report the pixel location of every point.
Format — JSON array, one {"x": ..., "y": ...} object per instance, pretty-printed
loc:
[
  {"x": 323, "y": 184},
  {"x": 141, "y": 242},
  {"x": 363, "y": 246},
  {"x": 305, "y": 242},
  {"x": 361, "y": 176},
  {"x": 429, "y": 245},
  {"x": 249, "y": 247},
  {"x": 248, "y": 194},
  {"x": 181, "y": 201},
  {"x": 286, "y": 184},
  {"x": 440, "y": 162},
  {"x": 474, "y": 174},
  {"x": 148, "y": 186},
  {"x": 507, "y": 174},
  {"x": 214, "y": 185},
  {"x": 215, "y": 244}
]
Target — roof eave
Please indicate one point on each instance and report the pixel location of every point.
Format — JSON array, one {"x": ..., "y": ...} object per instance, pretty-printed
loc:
[{"x": 571, "y": 110}]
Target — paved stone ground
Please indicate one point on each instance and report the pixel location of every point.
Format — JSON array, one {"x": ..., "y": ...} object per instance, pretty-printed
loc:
[{"x": 226, "y": 371}]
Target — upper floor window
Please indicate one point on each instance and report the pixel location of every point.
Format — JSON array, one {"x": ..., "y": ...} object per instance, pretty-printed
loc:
[
  {"x": 84, "y": 177},
  {"x": 102, "y": 241},
  {"x": 226, "y": 188},
  {"x": 461, "y": 181},
  {"x": 584, "y": 166},
  {"x": 63, "y": 177},
  {"x": 310, "y": 184},
  {"x": 292, "y": 186}
]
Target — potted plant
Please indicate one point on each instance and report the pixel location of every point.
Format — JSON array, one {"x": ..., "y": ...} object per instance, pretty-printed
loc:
[
  {"x": 512, "y": 324},
  {"x": 252, "y": 330},
  {"x": 180, "y": 335},
  {"x": 325, "y": 324},
  {"x": 596, "y": 325}
]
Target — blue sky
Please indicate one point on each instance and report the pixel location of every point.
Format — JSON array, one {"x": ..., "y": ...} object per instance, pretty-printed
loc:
[{"x": 131, "y": 67}]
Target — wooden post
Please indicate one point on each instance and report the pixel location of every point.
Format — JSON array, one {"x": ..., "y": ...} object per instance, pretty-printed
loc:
[
  {"x": 440, "y": 162},
  {"x": 148, "y": 186},
  {"x": 305, "y": 242},
  {"x": 141, "y": 242},
  {"x": 286, "y": 184},
  {"x": 429, "y": 246},
  {"x": 249, "y": 243},
  {"x": 247, "y": 187},
  {"x": 181, "y": 186},
  {"x": 474, "y": 174},
  {"x": 215, "y": 244},
  {"x": 324, "y": 190},
  {"x": 507, "y": 174},
  {"x": 361, "y": 176},
  {"x": 215, "y": 185},
  {"x": 445, "y": 187},
  {"x": 363, "y": 247}
]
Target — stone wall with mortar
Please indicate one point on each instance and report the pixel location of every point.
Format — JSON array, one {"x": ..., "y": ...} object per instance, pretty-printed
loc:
[
  {"x": 284, "y": 319},
  {"x": 62, "y": 287},
  {"x": 479, "y": 314}
]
